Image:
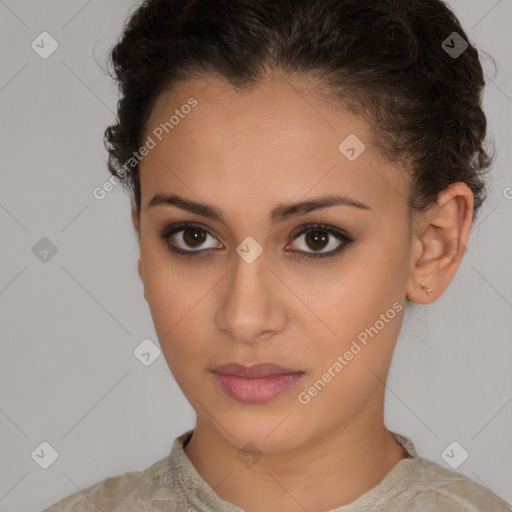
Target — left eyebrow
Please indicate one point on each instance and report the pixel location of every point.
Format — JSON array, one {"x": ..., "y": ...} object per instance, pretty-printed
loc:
[{"x": 278, "y": 214}]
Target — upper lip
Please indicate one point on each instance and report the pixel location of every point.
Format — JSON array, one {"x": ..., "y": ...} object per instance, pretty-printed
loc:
[{"x": 256, "y": 370}]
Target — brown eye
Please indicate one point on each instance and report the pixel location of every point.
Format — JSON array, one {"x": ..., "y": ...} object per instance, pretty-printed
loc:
[
  {"x": 194, "y": 237},
  {"x": 188, "y": 238},
  {"x": 315, "y": 238}
]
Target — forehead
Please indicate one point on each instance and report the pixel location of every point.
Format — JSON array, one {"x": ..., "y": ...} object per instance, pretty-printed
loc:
[
  {"x": 277, "y": 140},
  {"x": 273, "y": 112}
]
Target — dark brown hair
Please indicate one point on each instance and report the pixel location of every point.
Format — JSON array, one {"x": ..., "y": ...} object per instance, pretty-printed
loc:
[{"x": 383, "y": 59}]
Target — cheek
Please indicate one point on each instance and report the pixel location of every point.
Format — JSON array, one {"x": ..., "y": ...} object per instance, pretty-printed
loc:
[
  {"x": 178, "y": 298},
  {"x": 349, "y": 369},
  {"x": 345, "y": 299},
  {"x": 171, "y": 287},
  {"x": 163, "y": 291},
  {"x": 174, "y": 303},
  {"x": 363, "y": 308}
]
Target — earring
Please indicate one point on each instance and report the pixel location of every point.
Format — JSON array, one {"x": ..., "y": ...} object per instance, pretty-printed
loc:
[{"x": 428, "y": 290}]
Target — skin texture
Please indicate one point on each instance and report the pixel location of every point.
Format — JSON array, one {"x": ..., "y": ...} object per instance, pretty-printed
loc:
[{"x": 245, "y": 154}]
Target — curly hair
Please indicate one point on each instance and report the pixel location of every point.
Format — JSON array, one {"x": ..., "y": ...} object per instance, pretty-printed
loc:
[{"x": 385, "y": 60}]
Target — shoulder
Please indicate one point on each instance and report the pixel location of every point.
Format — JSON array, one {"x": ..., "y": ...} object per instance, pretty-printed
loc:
[
  {"x": 435, "y": 487},
  {"x": 127, "y": 492}
]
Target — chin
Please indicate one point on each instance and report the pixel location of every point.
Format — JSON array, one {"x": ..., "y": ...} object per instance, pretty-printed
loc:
[{"x": 265, "y": 430}]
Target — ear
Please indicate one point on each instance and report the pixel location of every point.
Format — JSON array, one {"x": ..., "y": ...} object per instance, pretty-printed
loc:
[
  {"x": 136, "y": 224},
  {"x": 136, "y": 219},
  {"x": 439, "y": 242}
]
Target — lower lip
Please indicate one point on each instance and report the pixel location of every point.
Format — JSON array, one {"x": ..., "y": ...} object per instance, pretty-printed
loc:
[{"x": 257, "y": 389}]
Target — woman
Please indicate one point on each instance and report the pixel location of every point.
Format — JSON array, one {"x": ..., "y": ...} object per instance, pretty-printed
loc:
[{"x": 302, "y": 172}]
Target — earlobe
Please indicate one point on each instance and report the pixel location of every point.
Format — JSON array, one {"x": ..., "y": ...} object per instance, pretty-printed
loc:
[{"x": 440, "y": 243}]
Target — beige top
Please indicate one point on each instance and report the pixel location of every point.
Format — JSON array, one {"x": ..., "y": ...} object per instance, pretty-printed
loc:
[{"x": 173, "y": 484}]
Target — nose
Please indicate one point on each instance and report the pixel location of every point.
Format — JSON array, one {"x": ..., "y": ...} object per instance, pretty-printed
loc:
[{"x": 251, "y": 304}]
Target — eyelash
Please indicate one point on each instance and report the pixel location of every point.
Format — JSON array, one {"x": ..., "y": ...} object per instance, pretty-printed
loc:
[{"x": 172, "y": 229}]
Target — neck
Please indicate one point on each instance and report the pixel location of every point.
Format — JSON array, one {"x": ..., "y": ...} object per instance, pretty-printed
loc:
[{"x": 332, "y": 470}]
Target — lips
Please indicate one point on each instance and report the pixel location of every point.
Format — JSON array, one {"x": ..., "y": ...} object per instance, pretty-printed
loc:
[
  {"x": 258, "y": 370},
  {"x": 257, "y": 383}
]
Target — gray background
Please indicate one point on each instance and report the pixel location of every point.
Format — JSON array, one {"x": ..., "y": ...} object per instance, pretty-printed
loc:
[{"x": 68, "y": 375}]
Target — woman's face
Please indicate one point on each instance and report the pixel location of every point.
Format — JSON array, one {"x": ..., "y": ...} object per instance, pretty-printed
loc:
[{"x": 246, "y": 290}]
